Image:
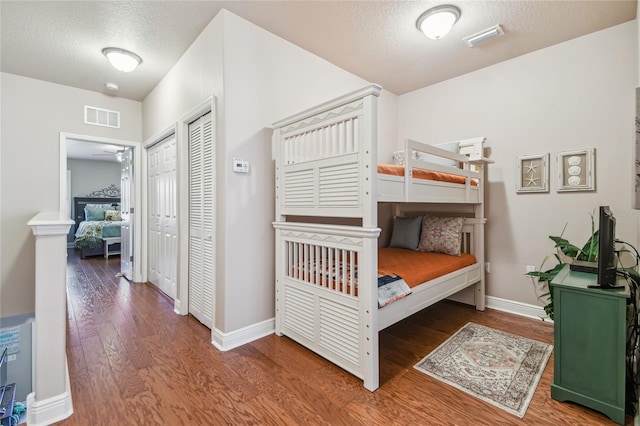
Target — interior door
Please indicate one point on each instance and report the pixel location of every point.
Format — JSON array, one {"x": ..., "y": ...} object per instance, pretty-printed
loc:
[
  {"x": 163, "y": 229},
  {"x": 126, "y": 206},
  {"x": 201, "y": 219}
]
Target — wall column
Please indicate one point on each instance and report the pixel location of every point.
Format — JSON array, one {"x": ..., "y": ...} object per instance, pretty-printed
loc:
[{"x": 51, "y": 400}]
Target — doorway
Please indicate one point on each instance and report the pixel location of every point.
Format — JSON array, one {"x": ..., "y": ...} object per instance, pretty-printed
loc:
[{"x": 106, "y": 148}]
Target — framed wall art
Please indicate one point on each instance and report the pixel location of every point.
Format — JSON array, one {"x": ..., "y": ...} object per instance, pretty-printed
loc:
[
  {"x": 532, "y": 173},
  {"x": 576, "y": 170}
]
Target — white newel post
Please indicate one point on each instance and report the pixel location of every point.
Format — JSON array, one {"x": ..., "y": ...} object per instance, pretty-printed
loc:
[{"x": 51, "y": 399}]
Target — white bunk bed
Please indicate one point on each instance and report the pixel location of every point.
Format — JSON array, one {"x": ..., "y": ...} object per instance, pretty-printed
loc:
[{"x": 326, "y": 173}]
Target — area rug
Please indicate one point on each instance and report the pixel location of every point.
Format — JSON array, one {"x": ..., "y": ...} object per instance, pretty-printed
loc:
[{"x": 497, "y": 367}]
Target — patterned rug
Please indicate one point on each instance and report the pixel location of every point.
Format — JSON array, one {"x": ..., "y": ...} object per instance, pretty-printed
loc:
[{"x": 497, "y": 367}]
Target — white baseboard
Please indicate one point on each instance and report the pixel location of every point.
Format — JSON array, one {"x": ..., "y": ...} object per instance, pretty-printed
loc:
[
  {"x": 518, "y": 308},
  {"x": 233, "y": 339},
  {"x": 51, "y": 410}
]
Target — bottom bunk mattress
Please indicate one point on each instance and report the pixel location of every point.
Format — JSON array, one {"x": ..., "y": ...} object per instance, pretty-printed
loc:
[
  {"x": 398, "y": 270},
  {"x": 417, "y": 267}
]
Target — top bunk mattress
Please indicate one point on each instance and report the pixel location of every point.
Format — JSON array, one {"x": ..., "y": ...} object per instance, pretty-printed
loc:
[{"x": 398, "y": 170}]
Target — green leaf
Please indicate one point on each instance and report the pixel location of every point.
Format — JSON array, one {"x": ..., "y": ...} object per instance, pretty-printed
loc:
[
  {"x": 565, "y": 246},
  {"x": 590, "y": 250}
]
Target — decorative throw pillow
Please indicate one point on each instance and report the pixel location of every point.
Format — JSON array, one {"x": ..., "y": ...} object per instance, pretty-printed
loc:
[
  {"x": 398, "y": 158},
  {"x": 406, "y": 232},
  {"x": 441, "y": 235},
  {"x": 112, "y": 215},
  {"x": 451, "y": 147},
  {"x": 94, "y": 213}
]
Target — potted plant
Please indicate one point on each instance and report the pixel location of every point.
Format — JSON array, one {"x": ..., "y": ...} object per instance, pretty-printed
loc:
[{"x": 565, "y": 252}]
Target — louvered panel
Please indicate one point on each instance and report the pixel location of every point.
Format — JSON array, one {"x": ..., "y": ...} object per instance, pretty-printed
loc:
[
  {"x": 195, "y": 177},
  {"x": 196, "y": 261},
  {"x": 207, "y": 176},
  {"x": 298, "y": 188},
  {"x": 340, "y": 330},
  {"x": 207, "y": 283},
  {"x": 299, "y": 312},
  {"x": 338, "y": 185}
]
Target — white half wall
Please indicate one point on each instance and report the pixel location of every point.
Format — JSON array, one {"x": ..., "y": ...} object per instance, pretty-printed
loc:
[{"x": 574, "y": 95}]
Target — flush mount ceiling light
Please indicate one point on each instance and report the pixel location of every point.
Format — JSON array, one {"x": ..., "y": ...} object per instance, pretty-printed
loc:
[
  {"x": 121, "y": 59},
  {"x": 436, "y": 22}
]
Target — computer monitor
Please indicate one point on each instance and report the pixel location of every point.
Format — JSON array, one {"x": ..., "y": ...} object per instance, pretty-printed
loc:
[{"x": 606, "y": 249}]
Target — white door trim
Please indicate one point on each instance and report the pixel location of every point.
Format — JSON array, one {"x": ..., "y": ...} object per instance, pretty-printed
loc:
[{"x": 138, "y": 275}]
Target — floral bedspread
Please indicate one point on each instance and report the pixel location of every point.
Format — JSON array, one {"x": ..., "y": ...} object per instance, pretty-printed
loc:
[{"x": 90, "y": 233}]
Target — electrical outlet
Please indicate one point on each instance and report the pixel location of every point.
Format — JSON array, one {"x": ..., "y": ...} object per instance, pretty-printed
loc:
[
  {"x": 487, "y": 267},
  {"x": 531, "y": 268},
  {"x": 11, "y": 358}
]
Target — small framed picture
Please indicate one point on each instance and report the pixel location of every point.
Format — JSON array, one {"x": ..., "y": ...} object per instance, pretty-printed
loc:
[
  {"x": 575, "y": 170},
  {"x": 532, "y": 173}
]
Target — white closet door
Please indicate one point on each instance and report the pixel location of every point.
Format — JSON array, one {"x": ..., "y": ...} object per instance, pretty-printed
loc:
[
  {"x": 163, "y": 238},
  {"x": 201, "y": 219}
]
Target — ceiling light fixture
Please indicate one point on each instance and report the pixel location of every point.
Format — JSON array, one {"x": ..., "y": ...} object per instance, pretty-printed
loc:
[
  {"x": 122, "y": 59},
  {"x": 483, "y": 36},
  {"x": 436, "y": 22}
]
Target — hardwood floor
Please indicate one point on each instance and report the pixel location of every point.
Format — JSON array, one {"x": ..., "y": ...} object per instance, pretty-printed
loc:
[{"x": 132, "y": 361}]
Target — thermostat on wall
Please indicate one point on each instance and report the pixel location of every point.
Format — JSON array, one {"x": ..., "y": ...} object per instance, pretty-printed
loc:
[{"x": 240, "y": 166}]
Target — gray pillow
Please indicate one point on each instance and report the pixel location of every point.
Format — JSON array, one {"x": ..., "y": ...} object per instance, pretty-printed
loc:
[{"x": 406, "y": 232}]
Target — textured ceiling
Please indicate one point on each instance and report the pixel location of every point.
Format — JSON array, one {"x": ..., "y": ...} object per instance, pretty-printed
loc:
[{"x": 61, "y": 41}]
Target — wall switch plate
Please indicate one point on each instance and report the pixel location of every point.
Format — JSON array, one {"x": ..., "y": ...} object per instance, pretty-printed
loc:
[
  {"x": 531, "y": 268},
  {"x": 487, "y": 267},
  {"x": 240, "y": 166}
]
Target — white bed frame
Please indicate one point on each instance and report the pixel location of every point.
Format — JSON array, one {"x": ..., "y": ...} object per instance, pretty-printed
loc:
[{"x": 326, "y": 172}]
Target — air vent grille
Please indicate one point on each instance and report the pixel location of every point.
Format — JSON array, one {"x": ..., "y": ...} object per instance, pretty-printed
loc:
[{"x": 101, "y": 117}]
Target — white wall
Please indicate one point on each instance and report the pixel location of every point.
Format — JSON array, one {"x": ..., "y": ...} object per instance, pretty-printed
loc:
[
  {"x": 88, "y": 176},
  {"x": 34, "y": 113},
  {"x": 578, "y": 94},
  {"x": 264, "y": 79}
]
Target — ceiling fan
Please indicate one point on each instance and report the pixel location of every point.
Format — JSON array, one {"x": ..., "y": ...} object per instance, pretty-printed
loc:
[{"x": 107, "y": 153}]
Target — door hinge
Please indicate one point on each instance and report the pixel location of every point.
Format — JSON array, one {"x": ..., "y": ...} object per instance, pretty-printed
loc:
[
  {"x": 131, "y": 210},
  {"x": 130, "y": 258}
]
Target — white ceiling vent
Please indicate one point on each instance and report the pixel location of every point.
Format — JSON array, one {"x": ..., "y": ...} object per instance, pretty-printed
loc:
[
  {"x": 101, "y": 117},
  {"x": 484, "y": 36}
]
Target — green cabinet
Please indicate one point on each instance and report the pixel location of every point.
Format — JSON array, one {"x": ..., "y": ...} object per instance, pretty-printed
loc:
[{"x": 590, "y": 343}]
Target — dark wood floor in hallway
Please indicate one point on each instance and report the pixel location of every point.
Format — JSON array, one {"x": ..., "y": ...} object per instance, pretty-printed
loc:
[{"x": 133, "y": 361}]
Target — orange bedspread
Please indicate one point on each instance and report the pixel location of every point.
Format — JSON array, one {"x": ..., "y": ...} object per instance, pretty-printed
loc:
[
  {"x": 416, "y": 267},
  {"x": 395, "y": 170}
]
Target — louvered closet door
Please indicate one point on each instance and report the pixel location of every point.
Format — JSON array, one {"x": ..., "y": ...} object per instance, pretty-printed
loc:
[
  {"x": 201, "y": 219},
  {"x": 163, "y": 238}
]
